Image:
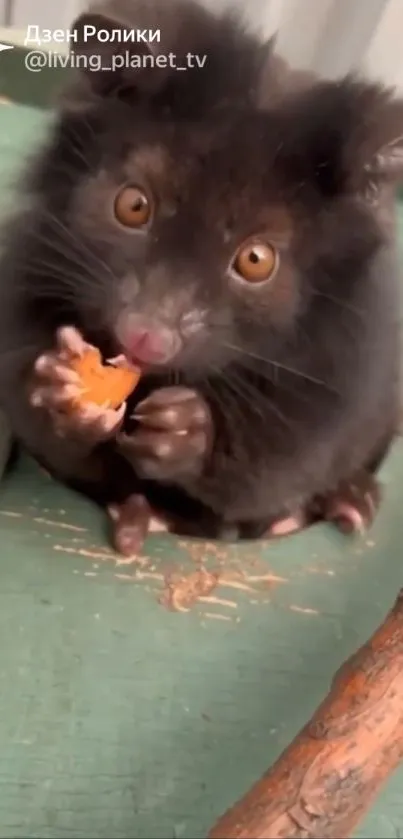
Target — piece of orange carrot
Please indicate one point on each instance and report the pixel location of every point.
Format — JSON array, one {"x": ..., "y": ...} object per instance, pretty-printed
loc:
[{"x": 103, "y": 384}]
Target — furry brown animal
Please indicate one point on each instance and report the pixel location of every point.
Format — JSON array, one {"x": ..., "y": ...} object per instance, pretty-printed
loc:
[{"x": 228, "y": 227}]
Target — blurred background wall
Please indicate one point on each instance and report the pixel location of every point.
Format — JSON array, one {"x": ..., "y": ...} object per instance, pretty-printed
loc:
[{"x": 329, "y": 36}]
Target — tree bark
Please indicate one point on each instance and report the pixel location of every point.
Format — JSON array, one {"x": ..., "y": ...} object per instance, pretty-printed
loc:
[{"x": 326, "y": 780}]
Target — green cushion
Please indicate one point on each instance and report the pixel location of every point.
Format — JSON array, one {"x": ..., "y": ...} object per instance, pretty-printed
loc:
[{"x": 16, "y": 125}]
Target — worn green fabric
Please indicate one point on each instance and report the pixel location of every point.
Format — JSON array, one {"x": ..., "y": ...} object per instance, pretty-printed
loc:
[
  {"x": 28, "y": 87},
  {"x": 122, "y": 718},
  {"x": 17, "y": 130}
]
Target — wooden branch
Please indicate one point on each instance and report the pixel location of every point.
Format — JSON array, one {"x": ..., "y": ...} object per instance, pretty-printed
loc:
[{"x": 326, "y": 780}]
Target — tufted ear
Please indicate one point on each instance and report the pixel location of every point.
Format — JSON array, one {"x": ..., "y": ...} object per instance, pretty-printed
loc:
[
  {"x": 220, "y": 58},
  {"x": 384, "y": 159},
  {"x": 110, "y": 59},
  {"x": 139, "y": 45},
  {"x": 345, "y": 136}
]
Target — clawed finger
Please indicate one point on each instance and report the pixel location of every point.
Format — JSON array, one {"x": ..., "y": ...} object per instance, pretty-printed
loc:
[
  {"x": 92, "y": 420},
  {"x": 70, "y": 343},
  {"x": 164, "y": 447},
  {"x": 104, "y": 420},
  {"x": 166, "y": 397},
  {"x": 49, "y": 367},
  {"x": 53, "y": 396},
  {"x": 120, "y": 361},
  {"x": 178, "y": 418},
  {"x": 187, "y": 414}
]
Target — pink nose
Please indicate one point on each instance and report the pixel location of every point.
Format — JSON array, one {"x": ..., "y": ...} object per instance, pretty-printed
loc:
[{"x": 151, "y": 345}]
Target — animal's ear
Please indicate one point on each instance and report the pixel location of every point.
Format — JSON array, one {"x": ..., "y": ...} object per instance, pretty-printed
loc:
[
  {"x": 111, "y": 55},
  {"x": 384, "y": 158},
  {"x": 347, "y": 136},
  {"x": 137, "y": 47}
]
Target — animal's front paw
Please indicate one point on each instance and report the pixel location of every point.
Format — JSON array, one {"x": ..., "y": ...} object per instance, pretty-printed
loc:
[
  {"x": 173, "y": 438},
  {"x": 55, "y": 385}
]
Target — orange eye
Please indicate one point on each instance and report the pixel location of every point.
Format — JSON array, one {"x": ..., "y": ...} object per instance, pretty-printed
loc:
[
  {"x": 132, "y": 207},
  {"x": 255, "y": 262}
]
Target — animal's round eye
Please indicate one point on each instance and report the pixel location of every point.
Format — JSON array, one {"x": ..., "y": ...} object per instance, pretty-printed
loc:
[
  {"x": 255, "y": 262},
  {"x": 132, "y": 207}
]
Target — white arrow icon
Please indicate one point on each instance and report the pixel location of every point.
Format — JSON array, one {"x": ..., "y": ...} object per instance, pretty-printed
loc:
[{"x": 5, "y": 47}]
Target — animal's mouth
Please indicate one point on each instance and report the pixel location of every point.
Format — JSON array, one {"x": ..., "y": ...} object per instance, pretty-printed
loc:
[
  {"x": 148, "y": 343},
  {"x": 121, "y": 360}
]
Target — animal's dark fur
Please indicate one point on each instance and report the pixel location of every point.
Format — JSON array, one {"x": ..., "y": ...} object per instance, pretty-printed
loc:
[{"x": 301, "y": 374}]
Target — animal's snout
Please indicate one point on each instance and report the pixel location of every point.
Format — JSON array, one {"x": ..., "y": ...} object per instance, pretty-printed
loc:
[
  {"x": 150, "y": 345},
  {"x": 149, "y": 342}
]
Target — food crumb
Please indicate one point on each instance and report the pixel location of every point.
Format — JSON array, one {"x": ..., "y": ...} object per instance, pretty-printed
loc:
[
  {"x": 181, "y": 592},
  {"x": 304, "y": 611},
  {"x": 216, "y": 616}
]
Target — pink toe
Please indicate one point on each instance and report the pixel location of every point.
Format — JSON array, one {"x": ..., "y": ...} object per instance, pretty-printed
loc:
[
  {"x": 284, "y": 527},
  {"x": 343, "y": 512},
  {"x": 36, "y": 399},
  {"x": 41, "y": 363},
  {"x": 65, "y": 392},
  {"x": 114, "y": 512},
  {"x": 71, "y": 340},
  {"x": 89, "y": 412},
  {"x": 128, "y": 541}
]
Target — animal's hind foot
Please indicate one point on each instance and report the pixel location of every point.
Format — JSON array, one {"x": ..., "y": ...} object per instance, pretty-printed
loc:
[
  {"x": 353, "y": 506},
  {"x": 130, "y": 523}
]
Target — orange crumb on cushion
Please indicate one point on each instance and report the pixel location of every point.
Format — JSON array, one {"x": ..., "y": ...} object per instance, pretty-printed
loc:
[{"x": 103, "y": 384}]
